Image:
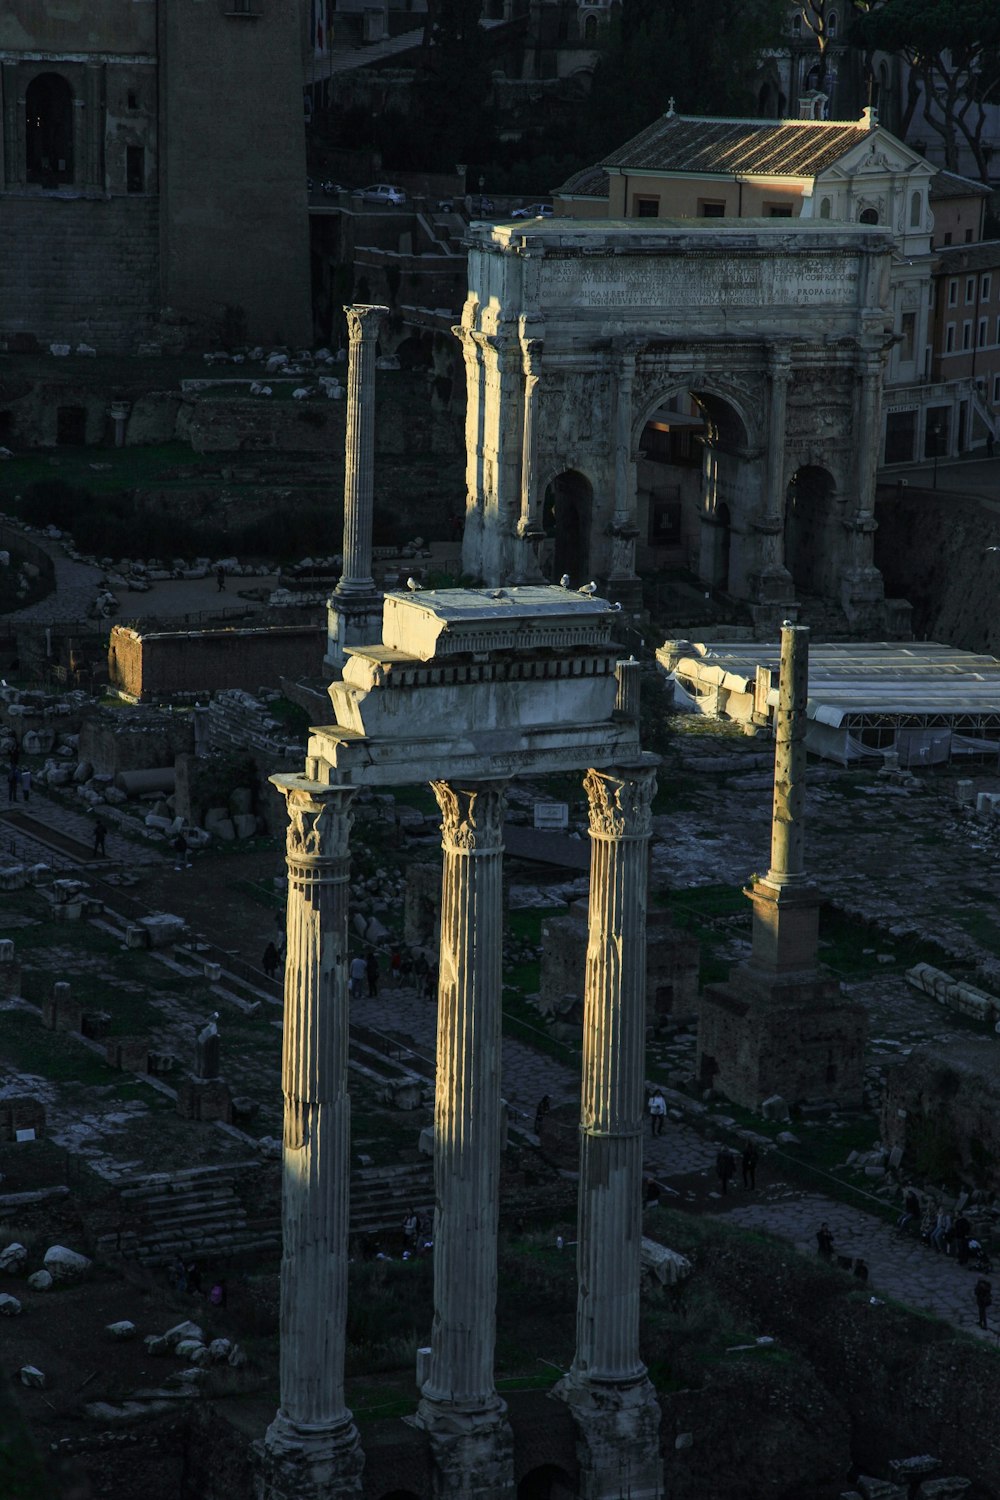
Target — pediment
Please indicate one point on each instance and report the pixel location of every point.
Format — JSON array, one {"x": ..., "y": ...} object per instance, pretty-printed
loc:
[{"x": 881, "y": 155}]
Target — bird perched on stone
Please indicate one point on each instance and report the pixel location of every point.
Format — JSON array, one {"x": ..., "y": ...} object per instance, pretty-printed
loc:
[
  {"x": 564, "y": 581},
  {"x": 413, "y": 585},
  {"x": 588, "y": 588},
  {"x": 617, "y": 608}
]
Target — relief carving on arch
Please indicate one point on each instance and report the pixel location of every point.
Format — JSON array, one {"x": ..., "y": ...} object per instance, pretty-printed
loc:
[
  {"x": 620, "y": 805},
  {"x": 471, "y": 815}
]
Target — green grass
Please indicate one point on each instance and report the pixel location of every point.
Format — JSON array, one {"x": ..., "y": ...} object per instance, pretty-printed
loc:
[{"x": 126, "y": 468}]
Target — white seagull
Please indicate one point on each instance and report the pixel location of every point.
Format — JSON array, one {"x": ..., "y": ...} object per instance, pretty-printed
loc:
[
  {"x": 413, "y": 585},
  {"x": 588, "y": 588}
]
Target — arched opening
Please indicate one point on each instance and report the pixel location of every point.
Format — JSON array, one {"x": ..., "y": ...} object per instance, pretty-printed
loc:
[
  {"x": 566, "y": 518},
  {"x": 916, "y": 208},
  {"x": 825, "y": 208},
  {"x": 48, "y": 130},
  {"x": 868, "y": 216},
  {"x": 590, "y": 30},
  {"x": 810, "y": 531},
  {"x": 71, "y": 426},
  {"x": 547, "y": 1482}
]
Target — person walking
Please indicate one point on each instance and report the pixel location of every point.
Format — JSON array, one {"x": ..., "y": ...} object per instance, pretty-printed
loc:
[
  {"x": 749, "y": 1161},
  {"x": 983, "y": 1293},
  {"x": 371, "y": 973},
  {"x": 359, "y": 970},
  {"x": 725, "y": 1167},
  {"x": 942, "y": 1230},
  {"x": 100, "y": 834},
  {"x": 269, "y": 962},
  {"x": 911, "y": 1211},
  {"x": 13, "y": 782},
  {"x": 220, "y": 579},
  {"x": 218, "y": 1295},
  {"x": 824, "y": 1241},
  {"x": 657, "y": 1112},
  {"x": 544, "y": 1105},
  {"x": 962, "y": 1230},
  {"x": 181, "y": 852},
  {"x": 26, "y": 784},
  {"x": 431, "y": 982},
  {"x": 396, "y": 967},
  {"x": 420, "y": 974}
]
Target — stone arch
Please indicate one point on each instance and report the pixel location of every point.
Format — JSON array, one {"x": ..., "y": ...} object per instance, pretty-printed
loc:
[
  {"x": 590, "y": 29},
  {"x": 811, "y": 531},
  {"x": 717, "y": 503},
  {"x": 868, "y": 216},
  {"x": 48, "y": 130},
  {"x": 546, "y": 1482},
  {"x": 567, "y": 518}
]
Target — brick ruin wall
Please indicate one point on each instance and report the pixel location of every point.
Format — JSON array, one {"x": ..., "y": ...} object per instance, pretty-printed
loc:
[
  {"x": 204, "y": 661},
  {"x": 51, "y": 246}
]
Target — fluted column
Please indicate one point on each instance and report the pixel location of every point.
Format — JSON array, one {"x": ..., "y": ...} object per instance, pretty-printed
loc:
[
  {"x": 460, "y": 1407},
  {"x": 530, "y": 530},
  {"x": 770, "y": 524},
  {"x": 363, "y": 325},
  {"x": 608, "y": 1388},
  {"x": 311, "y": 1448}
]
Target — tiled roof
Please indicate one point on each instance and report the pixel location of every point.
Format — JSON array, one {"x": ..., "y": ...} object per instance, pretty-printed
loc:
[
  {"x": 983, "y": 256},
  {"x": 591, "y": 182},
  {"x": 949, "y": 185},
  {"x": 696, "y": 144}
]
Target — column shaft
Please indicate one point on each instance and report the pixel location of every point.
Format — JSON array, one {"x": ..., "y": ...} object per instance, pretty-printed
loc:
[
  {"x": 611, "y": 1120},
  {"x": 771, "y": 533},
  {"x": 363, "y": 324},
  {"x": 788, "y": 815},
  {"x": 313, "y": 1425},
  {"x": 467, "y": 1101}
]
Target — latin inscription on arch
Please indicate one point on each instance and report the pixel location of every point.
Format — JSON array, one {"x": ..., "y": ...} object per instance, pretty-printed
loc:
[{"x": 722, "y": 281}]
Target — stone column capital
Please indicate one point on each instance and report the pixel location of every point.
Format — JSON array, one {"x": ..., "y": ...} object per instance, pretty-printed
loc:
[
  {"x": 364, "y": 320},
  {"x": 319, "y": 818},
  {"x": 620, "y": 802},
  {"x": 532, "y": 355},
  {"x": 472, "y": 816}
]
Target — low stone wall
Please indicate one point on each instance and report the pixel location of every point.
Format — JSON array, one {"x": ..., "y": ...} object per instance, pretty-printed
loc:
[
  {"x": 203, "y": 661},
  {"x": 119, "y": 740},
  {"x": 941, "y": 1105}
]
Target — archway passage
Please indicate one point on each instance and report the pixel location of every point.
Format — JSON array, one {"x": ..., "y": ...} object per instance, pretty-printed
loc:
[
  {"x": 48, "y": 130},
  {"x": 566, "y": 517},
  {"x": 547, "y": 1482},
  {"x": 810, "y": 555}
]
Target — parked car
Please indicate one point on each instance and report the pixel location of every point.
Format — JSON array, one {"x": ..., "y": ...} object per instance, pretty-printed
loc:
[
  {"x": 533, "y": 211},
  {"x": 381, "y": 192}
]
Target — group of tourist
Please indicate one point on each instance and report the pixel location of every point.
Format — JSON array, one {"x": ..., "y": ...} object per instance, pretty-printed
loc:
[
  {"x": 726, "y": 1164},
  {"x": 947, "y": 1233}
]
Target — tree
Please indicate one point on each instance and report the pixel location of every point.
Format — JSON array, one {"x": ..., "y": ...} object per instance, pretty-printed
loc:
[
  {"x": 705, "y": 55},
  {"x": 953, "y": 49}
]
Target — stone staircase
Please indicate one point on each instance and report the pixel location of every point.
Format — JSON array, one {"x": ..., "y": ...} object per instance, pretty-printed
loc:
[{"x": 198, "y": 1213}]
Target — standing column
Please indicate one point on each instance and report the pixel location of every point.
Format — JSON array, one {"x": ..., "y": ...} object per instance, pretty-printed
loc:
[
  {"x": 623, "y": 583},
  {"x": 530, "y": 530},
  {"x": 774, "y": 578},
  {"x": 861, "y": 586},
  {"x": 311, "y": 1450},
  {"x": 363, "y": 324},
  {"x": 785, "y": 903},
  {"x": 354, "y": 609},
  {"x": 460, "y": 1408},
  {"x": 613, "y": 1400}
]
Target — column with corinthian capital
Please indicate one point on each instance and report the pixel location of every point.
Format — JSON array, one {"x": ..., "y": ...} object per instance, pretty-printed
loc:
[
  {"x": 311, "y": 1450},
  {"x": 617, "y": 1413},
  {"x": 773, "y": 580},
  {"x": 460, "y": 1409},
  {"x": 623, "y": 583}
]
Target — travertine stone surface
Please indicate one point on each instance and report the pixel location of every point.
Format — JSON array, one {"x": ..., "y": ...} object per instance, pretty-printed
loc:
[
  {"x": 312, "y": 1440},
  {"x": 460, "y": 1406},
  {"x": 607, "y": 1386}
]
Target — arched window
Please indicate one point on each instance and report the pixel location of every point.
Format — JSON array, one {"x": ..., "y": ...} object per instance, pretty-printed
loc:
[
  {"x": 831, "y": 24},
  {"x": 868, "y": 216},
  {"x": 915, "y": 211},
  {"x": 590, "y": 29},
  {"x": 48, "y": 130},
  {"x": 797, "y": 24},
  {"x": 825, "y": 208}
]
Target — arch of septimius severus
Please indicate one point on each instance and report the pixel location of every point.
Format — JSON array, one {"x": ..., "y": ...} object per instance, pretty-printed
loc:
[{"x": 575, "y": 334}]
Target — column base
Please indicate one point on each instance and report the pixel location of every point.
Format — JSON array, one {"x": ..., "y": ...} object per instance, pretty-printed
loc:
[
  {"x": 473, "y": 1451},
  {"x": 307, "y": 1462},
  {"x": 618, "y": 1438}
]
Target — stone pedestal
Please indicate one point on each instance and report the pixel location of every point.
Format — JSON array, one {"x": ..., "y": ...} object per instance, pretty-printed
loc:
[
  {"x": 311, "y": 1450},
  {"x": 203, "y": 1099},
  {"x": 607, "y": 1387},
  {"x": 460, "y": 1409}
]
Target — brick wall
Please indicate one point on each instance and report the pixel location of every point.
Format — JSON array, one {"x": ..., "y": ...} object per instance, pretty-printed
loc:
[
  {"x": 79, "y": 269},
  {"x": 203, "y": 661}
]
